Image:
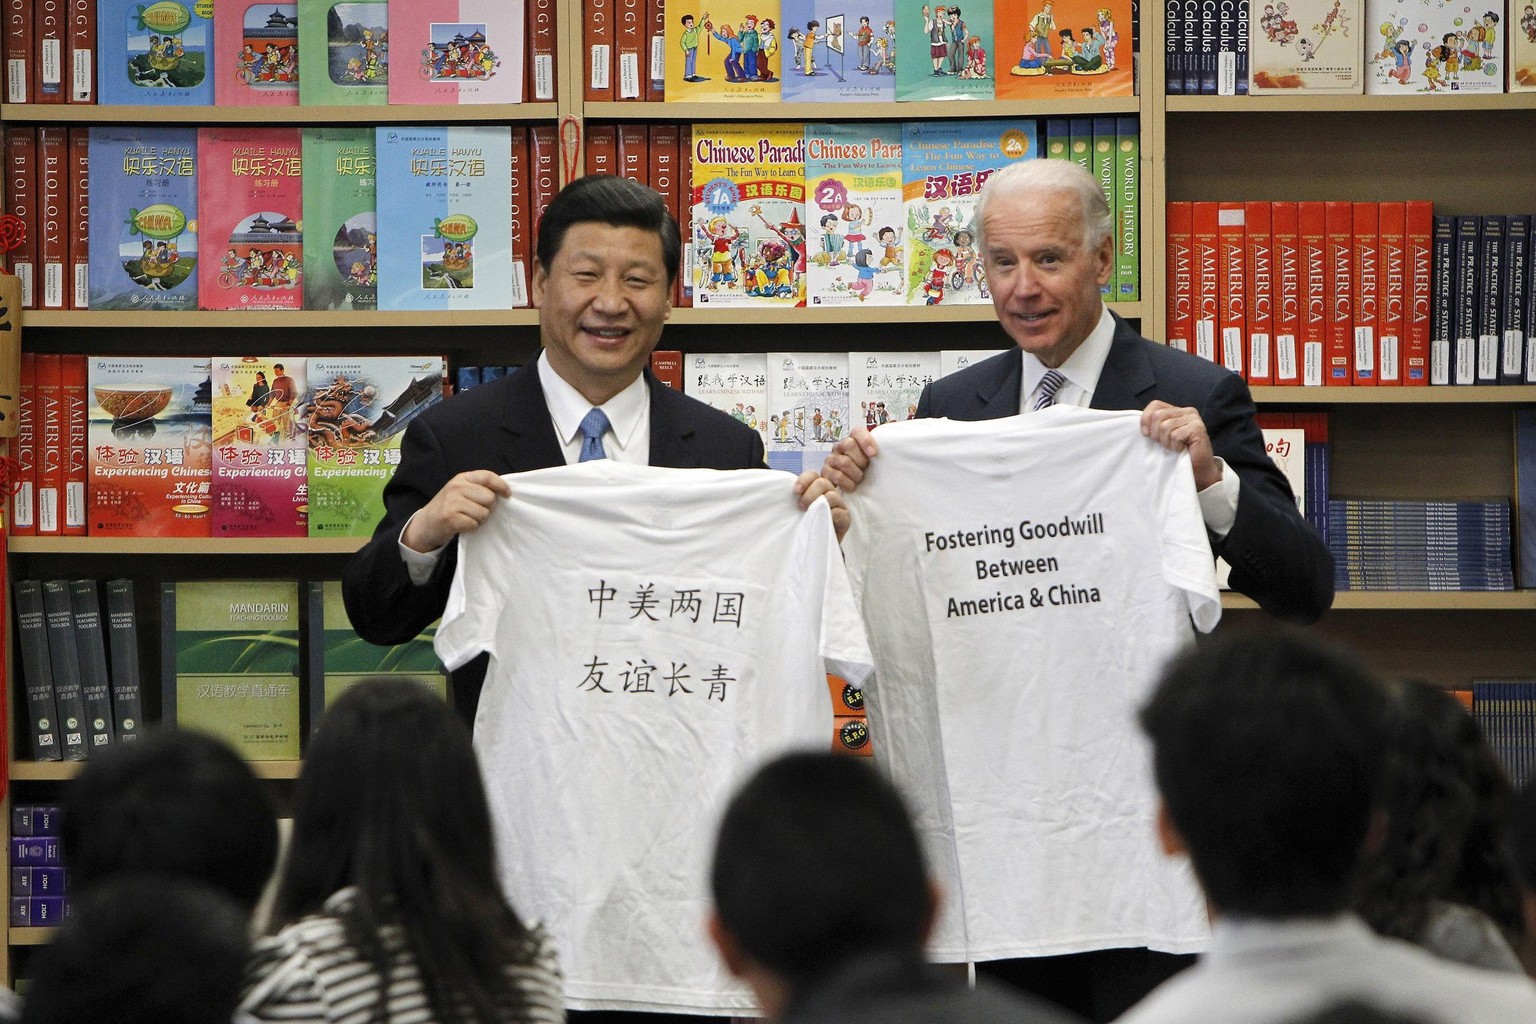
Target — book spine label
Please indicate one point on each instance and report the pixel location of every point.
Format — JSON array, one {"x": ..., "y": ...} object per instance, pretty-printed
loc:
[
  {"x": 1226, "y": 48},
  {"x": 76, "y": 410},
  {"x": 684, "y": 294},
  {"x": 37, "y": 673},
  {"x": 1181, "y": 275},
  {"x": 1207, "y": 280},
  {"x": 123, "y": 645},
  {"x": 1393, "y": 304},
  {"x": 541, "y": 50},
  {"x": 667, "y": 367},
  {"x": 1288, "y": 292},
  {"x": 48, "y": 31},
  {"x": 630, "y": 51},
  {"x": 24, "y": 489},
  {"x": 522, "y": 219},
  {"x": 21, "y": 202},
  {"x": 95, "y": 685},
  {"x": 597, "y": 44},
  {"x": 79, "y": 284},
  {"x": 1339, "y": 225},
  {"x": 1232, "y": 308},
  {"x": 80, "y": 57},
  {"x": 1366, "y": 282},
  {"x": 50, "y": 448},
  {"x": 60, "y": 622},
  {"x": 52, "y": 216},
  {"x": 656, "y": 51},
  {"x": 1517, "y": 282},
  {"x": 1259, "y": 269},
  {"x": 1316, "y": 288},
  {"x": 18, "y": 51}
]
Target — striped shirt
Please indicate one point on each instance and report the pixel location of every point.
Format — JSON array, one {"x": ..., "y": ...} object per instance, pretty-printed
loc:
[{"x": 309, "y": 973}]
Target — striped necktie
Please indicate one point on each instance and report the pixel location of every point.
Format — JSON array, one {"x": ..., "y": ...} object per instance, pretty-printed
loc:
[
  {"x": 1052, "y": 380},
  {"x": 593, "y": 424}
]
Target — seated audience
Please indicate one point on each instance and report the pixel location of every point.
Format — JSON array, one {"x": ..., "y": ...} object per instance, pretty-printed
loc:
[
  {"x": 388, "y": 906},
  {"x": 1269, "y": 754},
  {"x": 142, "y": 949},
  {"x": 1444, "y": 877},
  {"x": 823, "y": 903},
  {"x": 172, "y": 803}
]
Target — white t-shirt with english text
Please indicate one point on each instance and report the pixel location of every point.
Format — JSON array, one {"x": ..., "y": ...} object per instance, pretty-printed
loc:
[
  {"x": 654, "y": 635},
  {"x": 1023, "y": 581}
]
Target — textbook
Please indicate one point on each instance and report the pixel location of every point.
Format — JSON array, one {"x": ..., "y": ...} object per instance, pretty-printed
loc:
[
  {"x": 1433, "y": 47},
  {"x": 457, "y": 51},
  {"x": 885, "y": 386},
  {"x": 143, "y": 218},
  {"x": 721, "y": 53},
  {"x": 733, "y": 382},
  {"x": 853, "y": 185},
  {"x": 250, "y": 200},
  {"x": 36, "y": 671},
  {"x": 259, "y": 43},
  {"x": 230, "y": 663},
  {"x": 155, "y": 53},
  {"x": 807, "y": 405},
  {"x": 122, "y": 625},
  {"x": 1522, "y": 46},
  {"x": 341, "y": 247},
  {"x": 260, "y": 452},
  {"x": 946, "y": 52},
  {"x": 449, "y": 244},
  {"x": 862, "y": 67},
  {"x": 343, "y": 52},
  {"x": 63, "y": 655},
  {"x": 1059, "y": 49},
  {"x": 1305, "y": 46},
  {"x": 338, "y": 657}
]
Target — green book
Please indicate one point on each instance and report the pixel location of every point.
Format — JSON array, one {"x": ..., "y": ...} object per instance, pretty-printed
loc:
[
  {"x": 1103, "y": 160},
  {"x": 340, "y": 225},
  {"x": 230, "y": 663},
  {"x": 343, "y": 52},
  {"x": 338, "y": 657},
  {"x": 1127, "y": 209}
]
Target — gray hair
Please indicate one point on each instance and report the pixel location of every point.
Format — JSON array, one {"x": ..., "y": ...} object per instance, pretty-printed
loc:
[{"x": 1043, "y": 175}]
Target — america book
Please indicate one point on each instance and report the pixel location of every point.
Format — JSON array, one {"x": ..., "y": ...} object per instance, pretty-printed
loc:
[
  {"x": 1433, "y": 47},
  {"x": 337, "y": 657},
  {"x": 449, "y": 246},
  {"x": 735, "y": 50},
  {"x": 457, "y": 51},
  {"x": 747, "y": 225},
  {"x": 1305, "y": 46},
  {"x": 856, "y": 63},
  {"x": 150, "y": 446},
  {"x": 343, "y": 52},
  {"x": 250, "y": 199},
  {"x": 230, "y": 663},
  {"x": 807, "y": 404},
  {"x": 341, "y": 247},
  {"x": 156, "y": 53},
  {"x": 143, "y": 218},
  {"x": 1054, "y": 49},
  {"x": 946, "y": 52},
  {"x": 260, "y": 451},
  {"x": 736, "y": 383},
  {"x": 853, "y": 196},
  {"x": 355, "y": 414},
  {"x": 258, "y": 45},
  {"x": 945, "y": 164}
]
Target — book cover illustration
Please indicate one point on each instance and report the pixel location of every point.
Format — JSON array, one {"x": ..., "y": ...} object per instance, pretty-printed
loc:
[
  {"x": 1310, "y": 45},
  {"x": 259, "y": 42},
  {"x": 343, "y": 52},
  {"x": 853, "y": 183},
  {"x": 1522, "y": 48},
  {"x": 747, "y": 201},
  {"x": 736, "y": 383},
  {"x": 150, "y": 446},
  {"x": 807, "y": 406},
  {"x": 260, "y": 455},
  {"x": 341, "y": 248},
  {"x": 885, "y": 386},
  {"x": 355, "y": 413},
  {"x": 156, "y": 53},
  {"x": 230, "y": 660},
  {"x": 340, "y": 658},
  {"x": 946, "y": 52},
  {"x": 450, "y": 246},
  {"x": 944, "y": 166},
  {"x": 733, "y": 51},
  {"x": 852, "y": 55},
  {"x": 1065, "y": 48},
  {"x": 460, "y": 51},
  {"x": 1433, "y": 46},
  {"x": 143, "y": 218},
  {"x": 250, "y": 202}
]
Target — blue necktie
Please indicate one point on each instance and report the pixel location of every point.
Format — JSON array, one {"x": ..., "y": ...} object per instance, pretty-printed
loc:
[
  {"x": 593, "y": 424},
  {"x": 1052, "y": 380}
]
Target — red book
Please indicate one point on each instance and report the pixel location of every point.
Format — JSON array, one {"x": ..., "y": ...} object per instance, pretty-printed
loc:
[
  {"x": 48, "y": 31},
  {"x": 79, "y": 218},
  {"x": 597, "y": 50},
  {"x": 1392, "y": 227},
  {"x": 1207, "y": 292},
  {"x": 667, "y": 367},
  {"x": 75, "y": 473},
  {"x": 544, "y": 146},
  {"x": 80, "y": 51},
  {"x": 541, "y": 50},
  {"x": 663, "y": 175},
  {"x": 1232, "y": 269},
  {"x": 656, "y": 50},
  {"x": 21, "y": 201},
  {"x": 1260, "y": 271},
  {"x": 1339, "y": 257},
  {"x": 1288, "y": 275},
  {"x": 1181, "y": 275},
  {"x": 50, "y": 442},
  {"x": 522, "y": 222},
  {"x": 1316, "y": 290},
  {"x": 634, "y": 153},
  {"x": 630, "y": 50},
  {"x": 24, "y": 487},
  {"x": 602, "y": 149},
  {"x": 18, "y": 51},
  {"x": 53, "y": 217},
  {"x": 1365, "y": 278},
  {"x": 1420, "y": 228}
]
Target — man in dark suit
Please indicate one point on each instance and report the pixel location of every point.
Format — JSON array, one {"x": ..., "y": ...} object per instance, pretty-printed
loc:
[{"x": 1047, "y": 245}]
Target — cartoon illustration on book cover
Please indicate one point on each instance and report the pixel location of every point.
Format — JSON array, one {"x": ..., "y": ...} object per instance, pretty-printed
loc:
[
  {"x": 736, "y": 383},
  {"x": 947, "y": 51},
  {"x": 748, "y": 243},
  {"x": 1522, "y": 48},
  {"x": 344, "y": 52},
  {"x": 250, "y": 207},
  {"x": 854, "y": 212},
  {"x": 341, "y": 249},
  {"x": 1311, "y": 45},
  {"x": 162, "y": 50},
  {"x": 1064, "y": 48},
  {"x": 839, "y": 55},
  {"x": 143, "y": 218},
  {"x": 259, "y": 452},
  {"x": 267, "y": 58},
  {"x": 1434, "y": 47},
  {"x": 885, "y": 386},
  {"x": 734, "y": 52},
  {"x": 463, "y": 51},
  {"x": 807, "y": 407}
]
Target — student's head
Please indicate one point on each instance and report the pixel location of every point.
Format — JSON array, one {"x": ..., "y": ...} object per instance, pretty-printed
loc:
[
  {"x": 142, "y": 949},
  {"x": 687, "y": 21},
  {"x": 173, "y": 803},
  {"x": 1269, "y": 753},
  {"x": 816, "y": 862}
]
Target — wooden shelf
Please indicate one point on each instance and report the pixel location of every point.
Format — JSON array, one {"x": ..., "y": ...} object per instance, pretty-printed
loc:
[
  {"x": 1461, "y": 395},
  {"x": 1347, "y": 104},
  {"x": 1414, "y": 600},
  {"x": 254, "y": 318},
  {"x": 971, "y": 313},
  {"x": 57, "y": 771},
  {"x": 57, "y": 113},
  {"x": 185, "y": 545},
  {"x": 925, "y": 110}
]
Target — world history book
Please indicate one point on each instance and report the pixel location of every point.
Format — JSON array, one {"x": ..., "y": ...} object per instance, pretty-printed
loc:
[
  {"x": 251, "y": 204},
  {"x": 143, "y": 218},
  {"x": 155, "y": 53},
  {"x": 341, "y": 247}
]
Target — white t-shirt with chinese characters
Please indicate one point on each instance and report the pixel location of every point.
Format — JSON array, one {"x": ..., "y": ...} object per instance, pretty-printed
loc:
[
  {"x": 654, "y": 635},
  {"x": 1023, "y": 581}
]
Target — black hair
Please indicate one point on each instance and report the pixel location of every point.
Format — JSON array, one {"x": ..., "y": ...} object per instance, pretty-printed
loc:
[
  {"x": 1269, "y": 753},
  {"x": 390, "y": 802},
  {"x": 171, "y": 802},
  {"x": 617, "y": 202},
  {"x": 816, "y": 862}
]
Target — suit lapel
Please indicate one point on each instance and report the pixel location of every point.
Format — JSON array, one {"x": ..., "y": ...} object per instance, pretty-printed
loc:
[
  {"x": 533, "y": 444},
  {"x": 672, "y": 441},
  {"x": 998, "y": 394},
  {"x": 1127, "y": 376}
]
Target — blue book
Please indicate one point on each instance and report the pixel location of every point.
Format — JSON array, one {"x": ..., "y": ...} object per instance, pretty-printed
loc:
[
  {"x": 143, "y": 217},
  {"x": 1464, "y": 301},
  {"x": 465, "y": 378},
  {"x": 1514, "y": 327},
  {"x": 158, "y": 53},
  {"x": 1173, "y": 43},
  {"x": 856, "y": 65},
  {"x": 1525, "y": 495},
  {"x": 1490, "y": 288}
]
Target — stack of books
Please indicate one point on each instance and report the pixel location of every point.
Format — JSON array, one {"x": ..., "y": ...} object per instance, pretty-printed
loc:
[{"x": 1420, "y": 545}]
